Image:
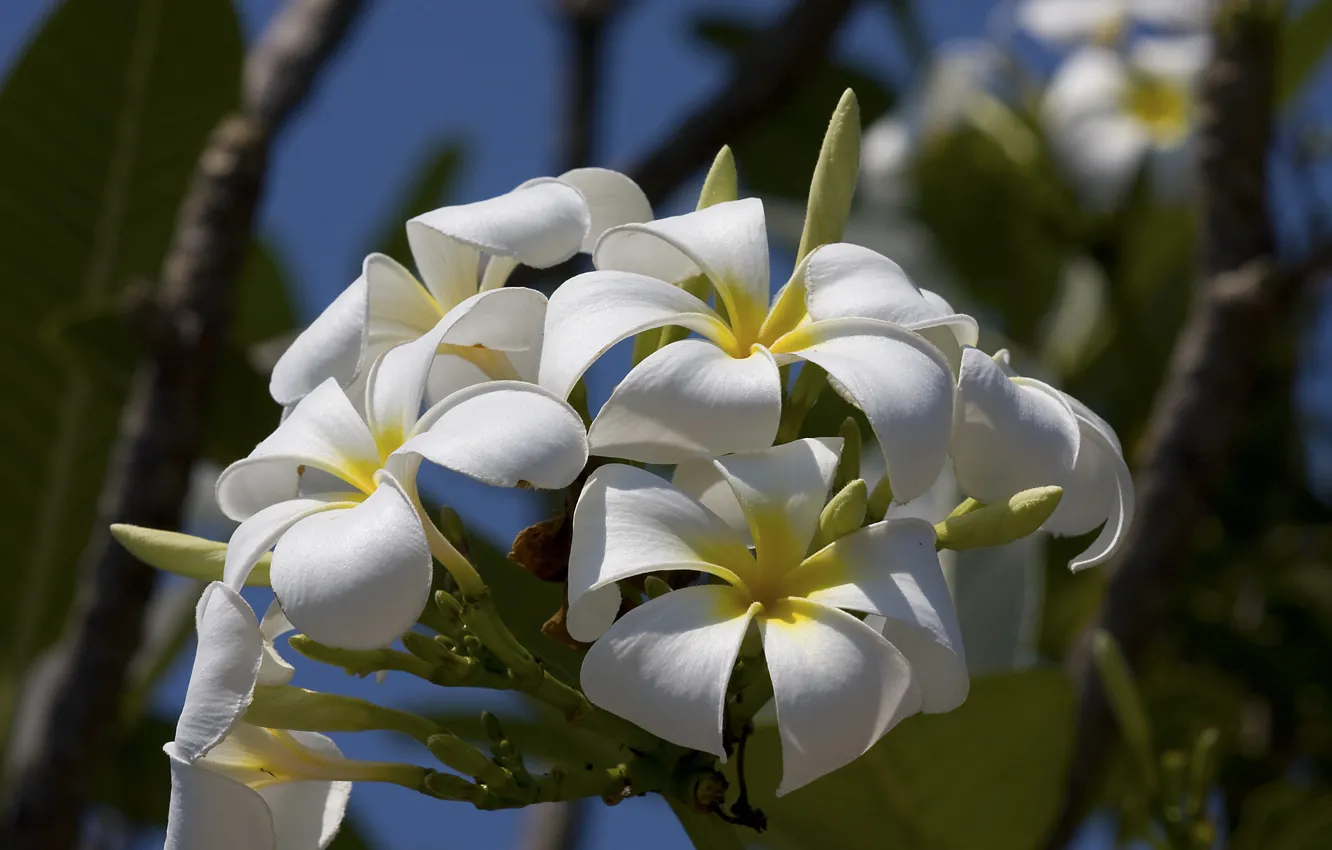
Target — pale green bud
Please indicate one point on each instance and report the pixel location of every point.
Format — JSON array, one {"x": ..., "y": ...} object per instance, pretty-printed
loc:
[
  {"x": 880, "y": 500},
  {"x": 655, "y": 587},
  {"x": 184, "y": 554},
  {"x": 722, "y": 183},
  {"x": 835, "y": 175},
  {"x": 844, "y": 513},
  {"x": 1000, "y": 523}
]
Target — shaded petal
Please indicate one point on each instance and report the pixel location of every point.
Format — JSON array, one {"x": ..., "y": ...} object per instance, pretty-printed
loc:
[
  {"x": 593, "y": 311},
  {"x": 1100, "y": 490},
  {"x": 505, "y": 433},
  {"x": 700, "y": 479},
  {"x": 539, "y": 224},
  {"x": 329, "y": 348},
  {"x": 665, "y": 664},
  {"x": 1181, "y": 59},
  {"x": 274, "y": 669},
  {"x": 261, "y": 532},
  {"x": 226, "y": 665},
  {"x": 308, "y": 814},
  {"x": 400, "y": 308},
  {"x": 629, "y": 522},
  {"x": 901, "y": 382},
  {"x": 688, "y": 399},
  {"x": 355, "y": 578},
  {"x": 323, "y": 431},
  {"x": 1009, "y": 434},
  {"x": 727, "y": 242},
  {"x": 848, "y": 281},
  {"x": 891, "y": 569},
  {"x": 1070, "y": 21},
  {"x": 1180, "y": 14},
  {"x": 837, "y": 684},
  {"x": 782, "y": 490},
  {"x": 612, "y": 199},
  {"x": 212, "y": 812}
]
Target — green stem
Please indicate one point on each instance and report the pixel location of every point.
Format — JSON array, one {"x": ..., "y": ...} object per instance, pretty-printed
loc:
[
  {"x": 809, "y": 383},
  {"x": 286, "y": 707},
  {"x": 361, "y": 662}
]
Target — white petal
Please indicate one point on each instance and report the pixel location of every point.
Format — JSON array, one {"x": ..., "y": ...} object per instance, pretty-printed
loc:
[
  {"x": 307, "y": 815},
  {"x": 212, "y": 812},
  {"x": 504, "y": 433},
  {"x": 700, "y": 479},
  {"x": 355, "y": 578},
  {"x": 260, "y": 532},
  {"x": 848, "y": 281},
  {"x": 891, "y": 569},
  {"x": 886, "y": 151},
  {"x": 629, "y": 522},
  {"x": 901, "y": 382},
  {"x": 782, "y": 491},
  {"x": 226, "y": 665},
  {"x": 1182, "y": 58},
  {"x": 329, "y": 348},
  {"x": 1009, "y": 434},
  {"x": 689, "y": 399},
  {"x": 323, "y": 431},
  {"x": 540, "y": 224},
  {"x": 727, "y": 242},
  {"x": 593, "y": 311},
  {"x": 274, "y": 669},
  {"x": 400, "y": 308},
  {"x": 1100, "y": 489},
  {"x": 612, "y": 199},
  {"x": 1069, "y": 21},
  {"x": 837, "y": 684},
  {"x": 665, "y": 664},
  {"x": 1179, "y": 14}
]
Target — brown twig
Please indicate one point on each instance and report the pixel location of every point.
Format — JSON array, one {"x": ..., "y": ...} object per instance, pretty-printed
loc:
[
  {"x": 1200, "y": 406},
  {"x": 162, "y": 425}
]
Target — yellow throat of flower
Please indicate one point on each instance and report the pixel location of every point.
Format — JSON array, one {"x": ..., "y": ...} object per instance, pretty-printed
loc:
[{"x": 1160, "y": 106}]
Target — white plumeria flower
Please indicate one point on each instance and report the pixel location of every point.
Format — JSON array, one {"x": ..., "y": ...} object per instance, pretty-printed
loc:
[
  {"x": 1106, "y": 115},
  {"x": 838, "y": 684},
  {"x": 723, "y": 393},
  {"x": 1070, "y": 22},
  {"x": 463, "y": 253},
  {"x": 238, "y": 785},
  {"x": 1012, "y": 433},
  {"x": 334, "y": 494}
]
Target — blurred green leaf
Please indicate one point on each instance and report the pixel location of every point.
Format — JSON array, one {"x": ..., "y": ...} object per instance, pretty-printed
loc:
[
  {"x": 136, "y": 779},
  {"x": 1282, "y": 816},
  {"x": 1304, "y": 46},
  {"x": 989, "y": 774},
  {"x": 101, "y": 123},
  {"x": 705, "y": 831},
  {"x": 429, "y": 187},
  {"x": 777, "y": 155},
  {"x": 263, "y": 298}
]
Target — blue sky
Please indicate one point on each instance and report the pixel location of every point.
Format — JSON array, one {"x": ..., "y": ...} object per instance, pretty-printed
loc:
[{"x": 416, "y": 72}]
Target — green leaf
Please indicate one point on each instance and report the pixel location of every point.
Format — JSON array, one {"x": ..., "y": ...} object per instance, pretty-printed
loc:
[
  {"x": 101, "y": 123},
  {"x": 1284, "y": 816},
  {"x": 989, "y": 774},
  {"x": 263, "y": 298},
  {"x": 429, "y": 187},
  {"x": 136, "y": 779},
  {"x": 778, "y": 153},
  {"x": 184, "y": 554},
  {"x": 1304, "y": 47}
]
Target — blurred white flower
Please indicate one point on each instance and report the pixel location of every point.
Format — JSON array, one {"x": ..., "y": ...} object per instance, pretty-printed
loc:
[
  {"x": 1108, "y": 116},
  {"x": 238, "y": 785},
  {"x": 1011, "y": 433},
  {"x": 464, "y": 254},
  {"x": 838, "y": 684},
  {"x": 723, "y": 393},
  {"x": 334, "y": 495},
  {"x": 1071, "y": 22}
]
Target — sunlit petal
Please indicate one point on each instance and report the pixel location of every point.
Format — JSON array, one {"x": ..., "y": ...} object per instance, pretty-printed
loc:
[
  {"x": 612, "y": 199},
  {"x": 256, "y": 535},
  {"x": 329, "y": 348},
  {"x": 1070, "y": 21},
  {"x": 226, "y": 665}
]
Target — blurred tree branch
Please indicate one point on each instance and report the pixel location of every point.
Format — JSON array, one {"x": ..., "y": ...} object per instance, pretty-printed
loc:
[
  {"x": 585, "y": 23},
  {"x": 1201, "y": 403},
  {"x": 184, "y": 327}
]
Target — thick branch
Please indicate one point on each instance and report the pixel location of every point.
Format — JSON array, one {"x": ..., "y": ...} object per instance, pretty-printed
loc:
[
  {"x": 1200, "y": 407},
  {"x": 162, "y": 424}
]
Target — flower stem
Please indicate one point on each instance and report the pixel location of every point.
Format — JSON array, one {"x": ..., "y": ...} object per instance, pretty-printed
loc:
[
  {"x": 287, "y": 707},
  {"x": 808, "y": 384}
]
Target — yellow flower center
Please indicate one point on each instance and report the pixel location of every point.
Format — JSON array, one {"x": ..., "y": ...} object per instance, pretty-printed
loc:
[{"x": 1161, "y": 106}]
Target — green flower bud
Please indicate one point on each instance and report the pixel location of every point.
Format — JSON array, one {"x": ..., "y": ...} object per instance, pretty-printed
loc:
[{"x": 997, "y": 524}]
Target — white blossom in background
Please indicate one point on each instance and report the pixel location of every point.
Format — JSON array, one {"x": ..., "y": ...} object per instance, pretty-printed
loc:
[
  {"x": 464, "y": 254},
  {"x": 838, "y": 684},
  {"x": 723, "y": 393},
  {"x": 334, "y": 494},
  {"x": 1012, "y": 433},
  {"x": 1064, "y": 23},
  {"x": 234, "y": 784}
]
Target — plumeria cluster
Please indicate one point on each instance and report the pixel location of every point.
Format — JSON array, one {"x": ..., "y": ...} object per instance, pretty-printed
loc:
[{"x": 718, "y": 549}]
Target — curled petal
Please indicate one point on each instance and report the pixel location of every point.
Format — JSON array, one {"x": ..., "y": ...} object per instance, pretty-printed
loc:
[
  {"x": 612, "y": 199},
  {"x": 593, "y": 311},
  {"x": 837, "y": 684},
  {"x": 329, "y": 348},
  {"x": 891, "y": 569},
  {"x": 261, "y": 532},
  {"x": 690, "y": 399},
  {"x": 539, "y": 224},
  {"x": 210, "y": 811},
  {"x": 355, "y": 578},
  {"x": 901, "y": 382},
  {"x": 226, "y": 666},
  {"x": 1100, "y": 490},
  {"x": 323, "y": 431},
  {"x": 781, "y": 491},
  {"x": 505, "y": 433},
  {"x": 274, "y": 669},
  {"x": 728, "y": 242},
  {"x": 665, "y": 664},
  {"x": 1009, "y": 434},
  {"x": 629, "y": 522}
]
